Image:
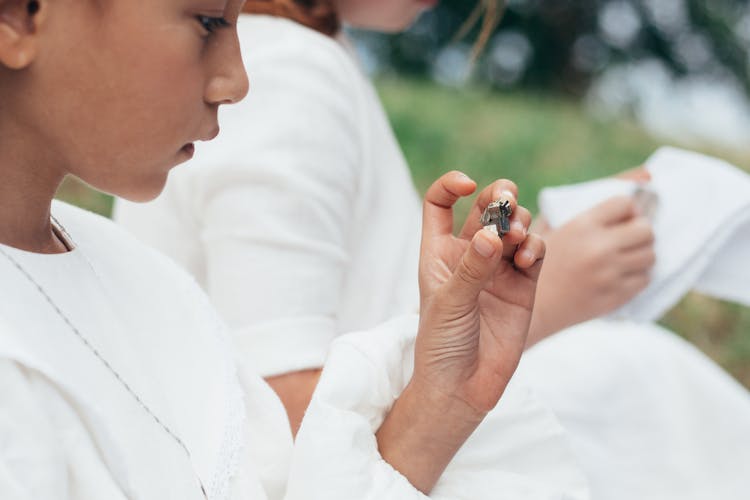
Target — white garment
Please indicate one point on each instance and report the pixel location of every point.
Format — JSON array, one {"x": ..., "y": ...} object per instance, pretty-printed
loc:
[
  {"x": 300, "y": 221},
  {"x": 70, "y": 431},
  {"x": 68, "y": 428},
  {"x": 648, "y": 415},
  {"x": 702, "y": 227},
  {"x": 520, "y": 451}
]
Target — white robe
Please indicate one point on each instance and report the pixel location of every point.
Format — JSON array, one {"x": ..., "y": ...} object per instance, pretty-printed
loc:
[{"x": 70, "y": 430}]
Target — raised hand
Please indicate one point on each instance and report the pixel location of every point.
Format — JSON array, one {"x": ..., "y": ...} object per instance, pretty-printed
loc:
[{"x": 477, "y": 296}]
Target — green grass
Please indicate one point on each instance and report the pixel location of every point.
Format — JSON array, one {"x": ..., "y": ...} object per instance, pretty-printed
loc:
[{"x": 537, "y": 141}]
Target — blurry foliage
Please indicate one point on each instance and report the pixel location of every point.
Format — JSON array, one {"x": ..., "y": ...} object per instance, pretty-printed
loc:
[{"x": 562, "y": 45}]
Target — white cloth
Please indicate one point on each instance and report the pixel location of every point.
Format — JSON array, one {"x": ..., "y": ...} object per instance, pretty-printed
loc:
[
  {"x": 702, "y": 227},
  {"x": 636, "y": 413},
  {"x": 519, "y": 452},
  {"x": 70, "y": 431},
  {"x": 648, "y": 415},
  {"x": 300, "y": 221}
]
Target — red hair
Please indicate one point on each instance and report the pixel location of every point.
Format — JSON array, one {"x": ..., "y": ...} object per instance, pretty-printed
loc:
[{"x": 319, "y": 15}]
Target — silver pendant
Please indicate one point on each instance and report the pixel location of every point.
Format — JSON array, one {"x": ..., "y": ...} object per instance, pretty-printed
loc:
[{"x": 497, "y": 214}]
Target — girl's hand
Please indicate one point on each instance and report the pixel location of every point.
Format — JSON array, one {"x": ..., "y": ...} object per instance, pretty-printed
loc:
[{"x": 477, "y": 296}]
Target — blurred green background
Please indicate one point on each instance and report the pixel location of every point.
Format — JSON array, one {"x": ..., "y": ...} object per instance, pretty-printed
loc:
[{"x": 536, "y": 140}]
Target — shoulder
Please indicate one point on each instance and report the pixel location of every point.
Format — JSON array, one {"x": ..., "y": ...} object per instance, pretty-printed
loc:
[
  {"x": 289, "y": 63},
  {"x": 266, "y": 39}
]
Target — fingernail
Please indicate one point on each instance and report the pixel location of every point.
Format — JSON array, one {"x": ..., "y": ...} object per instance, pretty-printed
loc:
[
  {"x": 528, "y": 256},
  {"x": 508, "y": 195},
  {"x": 464, "y": 176},
  {"x": 483, "y": 245},
  {"x": 518, "y": 226}
]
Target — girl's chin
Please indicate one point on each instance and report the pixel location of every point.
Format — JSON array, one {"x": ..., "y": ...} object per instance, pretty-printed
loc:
[{"x": 144, "y": 191}]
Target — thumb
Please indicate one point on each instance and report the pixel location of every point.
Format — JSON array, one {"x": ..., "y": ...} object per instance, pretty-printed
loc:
[{"x": 476, "y": 268}]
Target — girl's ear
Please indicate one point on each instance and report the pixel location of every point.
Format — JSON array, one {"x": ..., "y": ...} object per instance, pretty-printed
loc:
[{"x": 19, "y": 25}]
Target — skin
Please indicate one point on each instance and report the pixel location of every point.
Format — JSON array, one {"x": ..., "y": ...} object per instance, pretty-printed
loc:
[
  {"x": 388, "y": 16},
  {"x": 87, "y": 88},
  {"x": 89, "y": 108}
]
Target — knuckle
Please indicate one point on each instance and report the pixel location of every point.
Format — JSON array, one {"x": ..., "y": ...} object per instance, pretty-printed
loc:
[{"x": 645, "y": 229}]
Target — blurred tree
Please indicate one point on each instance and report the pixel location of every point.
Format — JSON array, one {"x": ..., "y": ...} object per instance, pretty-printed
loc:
[{"x": 563, "y": 45}]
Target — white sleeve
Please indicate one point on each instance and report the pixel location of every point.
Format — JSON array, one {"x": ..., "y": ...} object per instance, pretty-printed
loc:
[
  {"x": 520, "y": 451},
  {"x": 32, "y": 464},
  {"x": 274, "y": 204}
]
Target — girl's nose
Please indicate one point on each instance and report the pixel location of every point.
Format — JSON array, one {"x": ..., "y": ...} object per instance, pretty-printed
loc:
[{"x": 229, "y": 84}]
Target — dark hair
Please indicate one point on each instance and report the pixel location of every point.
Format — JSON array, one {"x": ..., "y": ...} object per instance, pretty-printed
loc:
[{"x": 319, "y": 15}]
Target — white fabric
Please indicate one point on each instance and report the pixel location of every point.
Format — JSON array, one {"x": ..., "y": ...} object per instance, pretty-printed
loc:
[
  {"x": 636, "y": 412},
  {"x": 519, "y": 452},
  {"x": 681, "y": 425},
  {"x": 302, "y": 203},
  {"x": 702, "y": 227},
  {"x": 70, "y": 431},
  {"x": 68, "y": 428}
]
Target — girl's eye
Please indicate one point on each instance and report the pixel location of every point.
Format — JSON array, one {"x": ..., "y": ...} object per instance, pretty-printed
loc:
[{"x": 211, "y": 24}]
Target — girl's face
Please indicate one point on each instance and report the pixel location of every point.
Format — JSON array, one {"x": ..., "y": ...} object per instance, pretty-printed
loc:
[
  {"x": 129, "y": 85},
  {"x": 382, "y": 15}
]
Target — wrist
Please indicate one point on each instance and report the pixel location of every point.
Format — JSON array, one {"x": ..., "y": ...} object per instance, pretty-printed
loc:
[
  {"x": 423, "y": 432},
  {"x": 438, "y": 405}
]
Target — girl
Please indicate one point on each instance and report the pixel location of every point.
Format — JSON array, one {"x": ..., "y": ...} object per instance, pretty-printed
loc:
[
  {"x": 115, "y": 379},
  {"x": 312, "y": 150}
]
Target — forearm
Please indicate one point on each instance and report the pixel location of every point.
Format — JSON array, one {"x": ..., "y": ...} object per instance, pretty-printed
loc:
[
  {"x": 423, "y": 432},
  {"x": 295, "y": 391}
]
